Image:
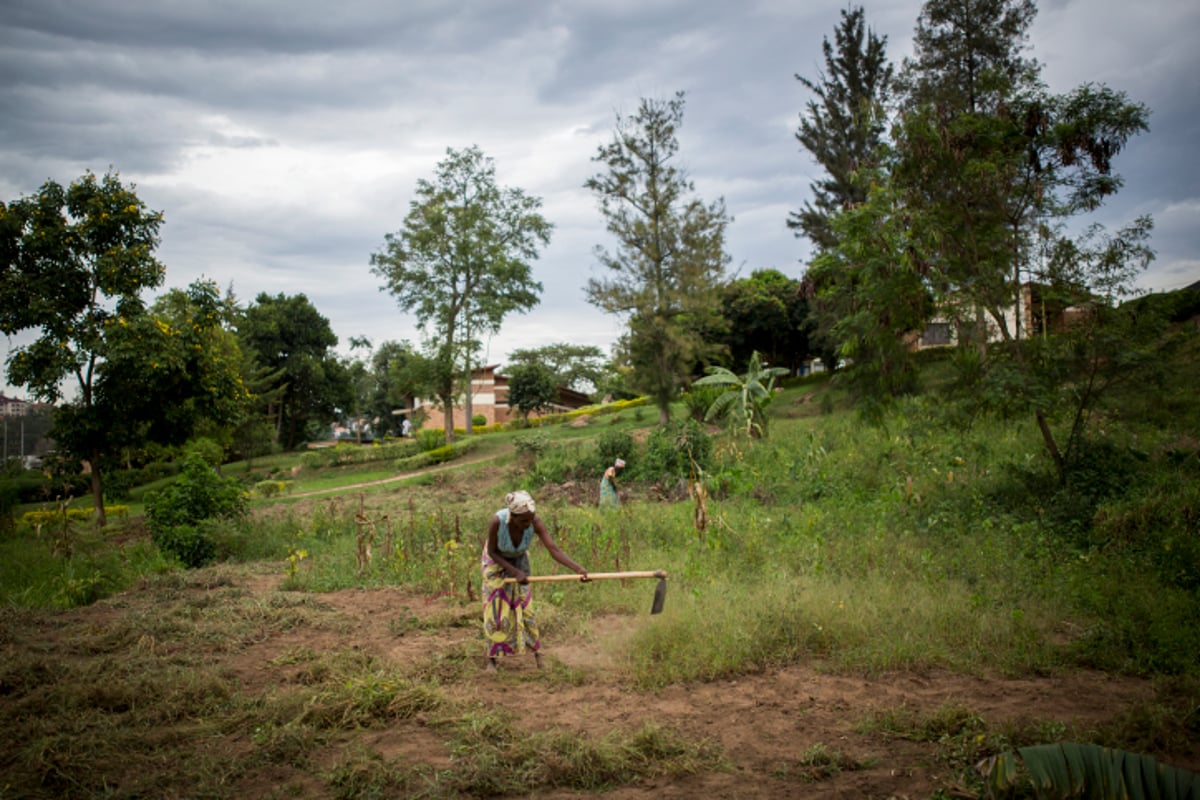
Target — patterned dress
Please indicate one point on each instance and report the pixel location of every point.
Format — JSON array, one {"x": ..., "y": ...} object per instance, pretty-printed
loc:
[{"x": 509, "y": 624}]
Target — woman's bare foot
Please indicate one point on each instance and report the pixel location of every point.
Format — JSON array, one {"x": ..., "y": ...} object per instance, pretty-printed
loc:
[
  {"x": 538, "y": 658},
  {"x": 490, "y": 666}
]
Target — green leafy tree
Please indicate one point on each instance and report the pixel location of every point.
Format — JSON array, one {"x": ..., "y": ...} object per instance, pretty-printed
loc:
[
  {"x": 964, "y": 154},
  {"x": 1063, "y": 378},
  {"x": 873, "y": 295},
  {"x": 670, "y": 255},
  {"x": 578, "y": 367},
  {"x": 391, "y": 389},
  {"x": 288, "y": 334},
  {"x": 996, "y": 169},
  {"x": 746, "y": 397},
  {"x": 175, "y": 372},
  {"x": 767, "y": 313},
  {"x": 843, "y": 127},
  {"x": 73, "y": 262},
  {"x": 531, "y": 388},
  {"x": 462, "y": 262}
]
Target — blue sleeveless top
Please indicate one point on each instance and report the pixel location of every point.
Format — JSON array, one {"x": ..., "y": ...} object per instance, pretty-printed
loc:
[{"x": 504, "y": 541}]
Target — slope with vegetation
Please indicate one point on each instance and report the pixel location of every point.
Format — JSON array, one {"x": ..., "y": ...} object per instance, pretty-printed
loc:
[{"x": 912, "y": 553}]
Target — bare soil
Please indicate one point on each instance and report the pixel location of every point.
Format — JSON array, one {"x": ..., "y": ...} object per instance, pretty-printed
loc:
[{"x": 763, "y": 723}]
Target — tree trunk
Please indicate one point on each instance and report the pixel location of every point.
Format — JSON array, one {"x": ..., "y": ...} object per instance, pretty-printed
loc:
[
  {"x": 1052, "y": 447},
  {"x": 98, "y": 491},
  {"x": 448, "y": 407},
  {"x": 468, "y": 407}
]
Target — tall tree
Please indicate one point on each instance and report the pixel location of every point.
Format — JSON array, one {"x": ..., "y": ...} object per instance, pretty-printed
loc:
[
  {"x": 670, "y": 256},
  {"x": 73, "y": 262},
  {"x": 962, "y": 153},
  {"x": 993, "y": 159},
  {"x": 843, "y": 127},
  {"x": 289, "y": 334},
  {"x": 997, "y": 167},
  {"x": 969, "y": 55},
  {"x": 462, "y": 262}
]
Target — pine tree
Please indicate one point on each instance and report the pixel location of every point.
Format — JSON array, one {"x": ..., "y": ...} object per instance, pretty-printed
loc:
[{"x": 844, "y": 125}]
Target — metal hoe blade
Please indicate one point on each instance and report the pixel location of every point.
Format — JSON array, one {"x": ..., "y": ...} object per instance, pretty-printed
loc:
[{"x": 660, "y": 596}]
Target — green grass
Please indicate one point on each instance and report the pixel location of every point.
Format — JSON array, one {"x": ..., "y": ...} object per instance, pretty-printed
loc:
[{"x": 909, "y": 546}]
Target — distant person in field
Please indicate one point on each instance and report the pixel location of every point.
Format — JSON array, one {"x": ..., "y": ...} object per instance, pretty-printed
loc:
[
  {"x": 406, "y": 428},
  {"x": 509, "y": 623},
  {"x": 608, "y": 486}
]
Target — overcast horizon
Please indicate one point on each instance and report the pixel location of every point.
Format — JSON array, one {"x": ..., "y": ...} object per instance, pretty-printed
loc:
[{"x": 282, "y": 142}]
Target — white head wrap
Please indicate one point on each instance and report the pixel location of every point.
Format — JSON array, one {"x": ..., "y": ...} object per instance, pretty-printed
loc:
[
  {"x": 520, "y": 502},
  {"x": 619, "y": 463}
]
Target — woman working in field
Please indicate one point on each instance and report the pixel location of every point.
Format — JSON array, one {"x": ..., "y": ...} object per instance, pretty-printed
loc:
[
  {"x": 608, "y": 486},
  {"x": 508, "y": 619}
]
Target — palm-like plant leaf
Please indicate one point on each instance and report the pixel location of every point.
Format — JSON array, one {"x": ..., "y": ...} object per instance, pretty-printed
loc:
[
  {"x": 748, "y": 395},
  {"x": 1087, "y": 770}
]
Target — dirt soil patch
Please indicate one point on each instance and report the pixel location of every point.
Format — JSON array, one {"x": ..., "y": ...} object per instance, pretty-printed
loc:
[{"x": 763, "y": 723}]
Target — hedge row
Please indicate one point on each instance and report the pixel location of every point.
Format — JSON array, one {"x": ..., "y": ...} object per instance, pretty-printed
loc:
[
  {"x": 36, "y": 518},
  {"x": 345, "y": 454},
  {"x": 439, "y": 455}
]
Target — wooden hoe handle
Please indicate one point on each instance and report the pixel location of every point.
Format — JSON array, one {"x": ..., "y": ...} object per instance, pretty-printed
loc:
[{"x": 592, "y": 576}]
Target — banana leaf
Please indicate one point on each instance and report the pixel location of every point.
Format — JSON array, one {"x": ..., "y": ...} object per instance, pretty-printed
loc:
[{"x": 1070, "y": 770}]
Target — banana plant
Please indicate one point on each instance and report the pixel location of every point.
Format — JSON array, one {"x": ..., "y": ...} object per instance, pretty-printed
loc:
[
  {"x": 1086, "y": 770},
  {"x": 747, "y": 397}
]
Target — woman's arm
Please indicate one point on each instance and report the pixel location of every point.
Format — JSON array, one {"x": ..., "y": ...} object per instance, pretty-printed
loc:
[
  {"x": 556, "y": 552},
  {"x": 494, "y": 551}
]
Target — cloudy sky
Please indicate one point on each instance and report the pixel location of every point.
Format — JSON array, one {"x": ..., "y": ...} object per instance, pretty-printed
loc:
[{"x": 283, "y": 140}]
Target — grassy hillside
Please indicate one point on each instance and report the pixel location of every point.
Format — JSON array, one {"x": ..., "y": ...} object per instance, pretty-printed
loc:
[{"x": 910, "y": 546}]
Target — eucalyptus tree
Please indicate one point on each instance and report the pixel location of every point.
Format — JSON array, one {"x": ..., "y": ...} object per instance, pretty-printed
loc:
[
  {"x": 669, "y": 260},
  {"x": 844, "y": 125},
  {"x": 462, "y": 262},
  {"x": 73, "y": 264}
]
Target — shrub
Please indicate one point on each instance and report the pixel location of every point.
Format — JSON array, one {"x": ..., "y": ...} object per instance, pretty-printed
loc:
[
  {"x": 191, "y": 544},
  {"x": 533, "y": 445},
  {"x": 437, "y": 455},
  {"x": 175, "y": 513},
  {"x": 271, "y": 488},
  {"x": 431, "y": 439},
  {"x": 611, "y": 445},
  {"x": 344, "y": 455},
  {"x": 671, "y": 449}
]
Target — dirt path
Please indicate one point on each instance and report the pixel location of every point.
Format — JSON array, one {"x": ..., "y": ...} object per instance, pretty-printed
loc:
[{"x": 467, "y": 460}]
